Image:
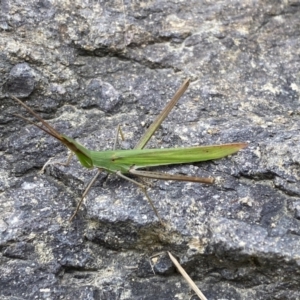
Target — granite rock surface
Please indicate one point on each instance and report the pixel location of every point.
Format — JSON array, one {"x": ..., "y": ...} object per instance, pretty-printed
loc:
[{"x": 87, "y": 66}]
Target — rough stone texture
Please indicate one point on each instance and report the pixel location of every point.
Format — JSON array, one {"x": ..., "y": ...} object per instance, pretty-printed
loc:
[{"x": 86, "y": 66}]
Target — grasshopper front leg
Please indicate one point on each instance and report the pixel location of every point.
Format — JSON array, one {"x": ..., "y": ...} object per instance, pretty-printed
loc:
[
  {"x": 87, "y": 189},
  {"x": 84, "y": 194}
]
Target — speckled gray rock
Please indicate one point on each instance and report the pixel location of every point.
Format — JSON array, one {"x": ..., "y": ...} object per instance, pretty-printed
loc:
[
  {"x": 88, "y": 66},
  {"x": 21, "y": 81}
]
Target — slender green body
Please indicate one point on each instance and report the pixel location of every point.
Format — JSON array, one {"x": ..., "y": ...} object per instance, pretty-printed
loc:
[
  {"x": 125, "y": 160},
  {"x": 130, "y": 161}
]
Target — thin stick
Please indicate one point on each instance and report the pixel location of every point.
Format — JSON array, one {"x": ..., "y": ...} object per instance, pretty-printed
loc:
[{"x": 187, "y": 277}]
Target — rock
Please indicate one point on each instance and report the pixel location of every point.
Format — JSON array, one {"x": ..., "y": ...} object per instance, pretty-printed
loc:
[
  {"x": 21, "y": 81},
  {"x": 86, "y": 67}
]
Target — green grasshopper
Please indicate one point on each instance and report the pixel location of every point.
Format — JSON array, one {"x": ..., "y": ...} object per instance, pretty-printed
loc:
[{"x": 122, "y": 162}]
